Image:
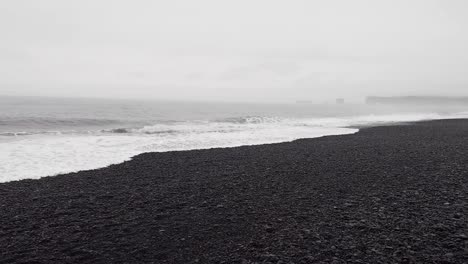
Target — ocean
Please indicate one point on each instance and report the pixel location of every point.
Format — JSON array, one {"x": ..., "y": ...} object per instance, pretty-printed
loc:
[{"x": 49, "y": 136}]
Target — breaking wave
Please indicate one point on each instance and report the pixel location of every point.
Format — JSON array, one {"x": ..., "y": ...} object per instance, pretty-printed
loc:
[
  {"x": 48, "y": 122},
  {"x": 34, "y": 154}
]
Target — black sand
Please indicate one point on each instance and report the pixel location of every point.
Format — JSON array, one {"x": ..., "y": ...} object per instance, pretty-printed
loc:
[{"x": 396, "y": 194}]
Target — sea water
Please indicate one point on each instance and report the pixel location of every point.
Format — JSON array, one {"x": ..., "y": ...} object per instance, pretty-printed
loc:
[{"x": 49, "y": 136}]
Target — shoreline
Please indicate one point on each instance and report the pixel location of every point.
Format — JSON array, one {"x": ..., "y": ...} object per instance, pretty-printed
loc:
[
  {"x": 358, "y": 128},
  {"x": 77, "y": 156},
  {"x": 394, "y": 193},
  {"x": 127, "y": 147}
]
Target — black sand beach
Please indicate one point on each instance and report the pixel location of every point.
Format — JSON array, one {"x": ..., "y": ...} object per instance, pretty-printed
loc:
[{"x": 393, "y": 194}]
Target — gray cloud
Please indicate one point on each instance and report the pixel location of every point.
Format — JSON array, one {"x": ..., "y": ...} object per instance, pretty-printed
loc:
[{"x": 233, "y": 50}]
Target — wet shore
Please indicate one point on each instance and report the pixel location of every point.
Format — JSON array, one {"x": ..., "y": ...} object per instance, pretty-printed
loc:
[{"x": 391, "y": 194}]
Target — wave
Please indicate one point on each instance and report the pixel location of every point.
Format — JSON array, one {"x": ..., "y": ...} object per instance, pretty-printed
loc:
[
  {"x": 68, "y": 151},
  {"x": 24, "y": 133},
  {"x": 14, "y": 134},
  {"x": 250, "y": 120},
  {"x": 31, "y": 122},
  {"x": 35, "y": 157},
  {"x": 235, "y": 124},
  {"x": 117, "y": 130},
  {"x": 45, "y": 133}
]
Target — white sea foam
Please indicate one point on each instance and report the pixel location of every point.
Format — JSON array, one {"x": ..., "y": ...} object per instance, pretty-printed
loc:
[{"x": 35, "y": 156}]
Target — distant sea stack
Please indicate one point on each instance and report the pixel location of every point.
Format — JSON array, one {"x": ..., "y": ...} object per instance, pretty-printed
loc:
[
  {"x": 340, "y": 101},
  {"x": 413, "y": 100}
]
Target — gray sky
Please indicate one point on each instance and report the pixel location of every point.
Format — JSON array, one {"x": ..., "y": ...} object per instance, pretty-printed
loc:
[{"x": 242, "y": 50}]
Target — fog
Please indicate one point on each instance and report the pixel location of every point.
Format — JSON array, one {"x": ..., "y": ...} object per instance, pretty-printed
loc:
[{"x": 243, "y": 50}]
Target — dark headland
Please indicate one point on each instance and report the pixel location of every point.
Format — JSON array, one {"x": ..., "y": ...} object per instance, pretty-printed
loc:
[
  {"x": 418, "y": 100},
  {"x": 393, "y": 194}
]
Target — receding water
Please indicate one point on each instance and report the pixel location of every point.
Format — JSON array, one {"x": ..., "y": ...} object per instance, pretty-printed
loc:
[{"x": 47, "y": 136}]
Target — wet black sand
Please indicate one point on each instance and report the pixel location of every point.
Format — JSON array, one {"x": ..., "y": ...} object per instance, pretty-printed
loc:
[{"x": 394, "y": 194}]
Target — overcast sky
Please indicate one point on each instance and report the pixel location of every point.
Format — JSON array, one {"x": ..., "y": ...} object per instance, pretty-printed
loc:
[{"x": 236, "y": 50}]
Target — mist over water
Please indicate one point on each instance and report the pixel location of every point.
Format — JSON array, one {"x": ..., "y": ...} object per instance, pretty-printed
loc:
[{"x": 47, "y": 136}]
